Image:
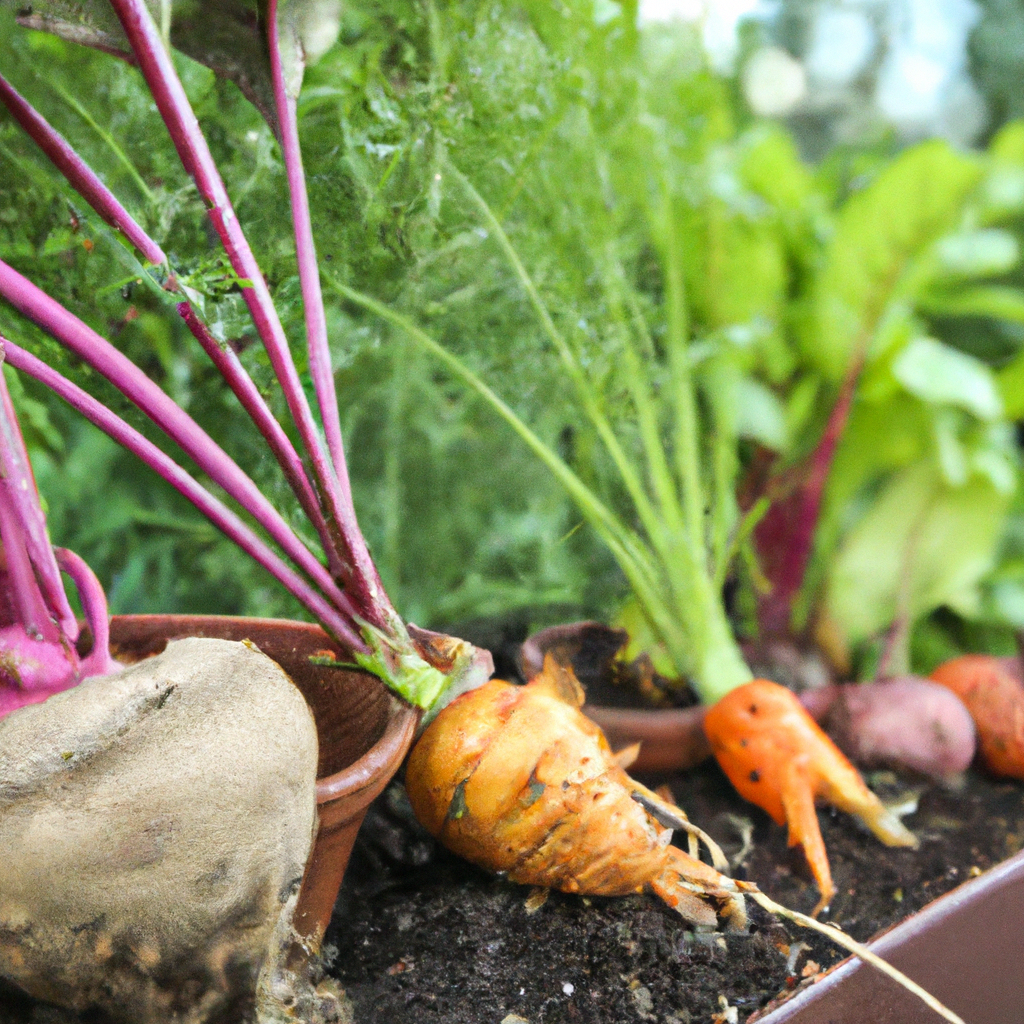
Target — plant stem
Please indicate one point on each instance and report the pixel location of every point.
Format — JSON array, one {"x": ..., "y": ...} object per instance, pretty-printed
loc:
[
  {"x": 80, "y": 176},
  {"x": 305, "y": 251},
  {"x": 785, "y": 535},
  {"x": 36, "y": 578},
  {"x": 28, "y": 602},
  {"x": 230, "y": 368},
  {"x": 161, "y": 409},
  {"x": 633, "y": 557},
  {"x": 360, "y": 574},
  {"x": 94, "y": 607},
  {"x": 652, "y": 525},
  {"x": 219, "y": 514},
  {"x": 111, "y": 142},
  {"x": 687, "y": 445},
  {"x": 639, "y": 385}
]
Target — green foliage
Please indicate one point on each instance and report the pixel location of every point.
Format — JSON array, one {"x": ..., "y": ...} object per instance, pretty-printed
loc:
[
  {"x": 874, "y": 256},
  {"x": 921, "y": 544},
  {"x": 665, "y": 299},
  {"x": 930, "y": 250}
]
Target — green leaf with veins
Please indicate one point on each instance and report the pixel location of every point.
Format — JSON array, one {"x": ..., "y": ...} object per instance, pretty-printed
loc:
[
  {"x": 870, "y": 260},
  {"x": 923, "y": 544},
  {"x": 940, "y": 375}
]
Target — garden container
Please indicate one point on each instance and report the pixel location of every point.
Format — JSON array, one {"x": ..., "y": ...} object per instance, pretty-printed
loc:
[
  {"x": 364, "y": 732},
  {"x": 964, "y": 948}
]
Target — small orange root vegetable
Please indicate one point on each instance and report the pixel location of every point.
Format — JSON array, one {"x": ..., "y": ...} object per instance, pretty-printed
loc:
[
  {"x": 995, "y": 700},
  {"x": 518, "y": 781},
  {"x": 777, "y": 757}
]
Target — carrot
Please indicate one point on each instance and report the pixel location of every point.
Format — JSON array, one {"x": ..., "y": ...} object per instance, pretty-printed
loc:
[
  {"x": 518, "y": 781},
  {"x": 777, "y": 757},
  {"x": 995, "y": 700}
]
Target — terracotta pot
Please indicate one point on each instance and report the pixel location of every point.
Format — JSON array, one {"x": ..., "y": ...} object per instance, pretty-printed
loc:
[
  {"x": 364, "y": 732},
  {"x": 671, "y": 739},
  {"x": 964, "y": 948}
]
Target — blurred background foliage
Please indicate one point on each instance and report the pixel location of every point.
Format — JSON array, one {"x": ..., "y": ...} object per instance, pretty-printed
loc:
[{"x": 817, "y": 229}]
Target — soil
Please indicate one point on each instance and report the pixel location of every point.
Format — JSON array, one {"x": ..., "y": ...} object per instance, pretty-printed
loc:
[{"x": 419, "y": 936}]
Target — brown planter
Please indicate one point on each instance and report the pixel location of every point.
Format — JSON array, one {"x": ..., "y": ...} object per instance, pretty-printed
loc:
[
  {"x": 964, "y": 948},
  {"x": 671, "y": 739},
  {"x": 364, "y": 732}
]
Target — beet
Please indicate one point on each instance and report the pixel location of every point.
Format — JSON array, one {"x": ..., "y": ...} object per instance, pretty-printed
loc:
[{"x": 906, "y": 722}]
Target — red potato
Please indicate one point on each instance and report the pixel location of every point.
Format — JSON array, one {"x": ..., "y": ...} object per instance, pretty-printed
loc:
[
  {"x": 779, "y": 759},
  {"x": 995, "y": 700},
  {"x": 907, "y": 722},
  {"x": 518, "y": 781}
]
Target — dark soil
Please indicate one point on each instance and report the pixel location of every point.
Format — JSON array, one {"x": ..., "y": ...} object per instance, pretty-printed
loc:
[{"x": 421, "y": 937}]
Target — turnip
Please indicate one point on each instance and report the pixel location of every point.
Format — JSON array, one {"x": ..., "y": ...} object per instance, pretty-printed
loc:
[{"x": 995, "y": 699}]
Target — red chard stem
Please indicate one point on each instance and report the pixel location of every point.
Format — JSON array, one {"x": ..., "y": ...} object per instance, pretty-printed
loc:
[
  {"x": 785, "y": 536},
  {"x": 80, "y": 176}
]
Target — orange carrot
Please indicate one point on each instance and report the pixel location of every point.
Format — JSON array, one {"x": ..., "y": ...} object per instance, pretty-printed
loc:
[
  {"x": 995, "y": 700},
  {"x": 518, "y": 781},
  {"x": 777, "y": 757}
]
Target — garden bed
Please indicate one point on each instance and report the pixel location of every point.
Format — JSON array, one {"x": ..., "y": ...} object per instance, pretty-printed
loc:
[{"x": 421, "y": 936}]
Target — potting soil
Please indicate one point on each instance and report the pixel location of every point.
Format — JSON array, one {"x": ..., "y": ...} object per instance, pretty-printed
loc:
[{"x": 421, "y": 937}]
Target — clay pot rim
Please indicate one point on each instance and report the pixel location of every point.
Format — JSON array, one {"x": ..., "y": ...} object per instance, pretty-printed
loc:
[{"x": 362, "y": 773}]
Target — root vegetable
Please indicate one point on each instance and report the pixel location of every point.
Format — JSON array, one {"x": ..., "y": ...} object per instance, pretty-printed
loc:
[
  {"x": 995, "y": 700},
  {"x": 518, "y": 781},
  {"x": 778, "y": 758},
  {"x": 907, "y": 722}
]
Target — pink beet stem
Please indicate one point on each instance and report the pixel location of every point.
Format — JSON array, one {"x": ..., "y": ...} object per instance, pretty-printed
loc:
[
  {"x": 155, "y": 63},
  {"x": 28, "y": 601},
  {"x": 305, "y": 253},
  {"x": 36, "y": 581},
  {"x": 170, "y": 418},
  {"x": 231, "y": 369},
  {"x": 81, "y": 177},
  {"x": 221, "y": 516},
  {"x": 94, "y": 606}
]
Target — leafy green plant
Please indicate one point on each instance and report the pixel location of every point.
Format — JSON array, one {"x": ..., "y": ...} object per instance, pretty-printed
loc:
[
  {"x": 794, "y": 280},
  {"x": 585, "y": 138}
]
